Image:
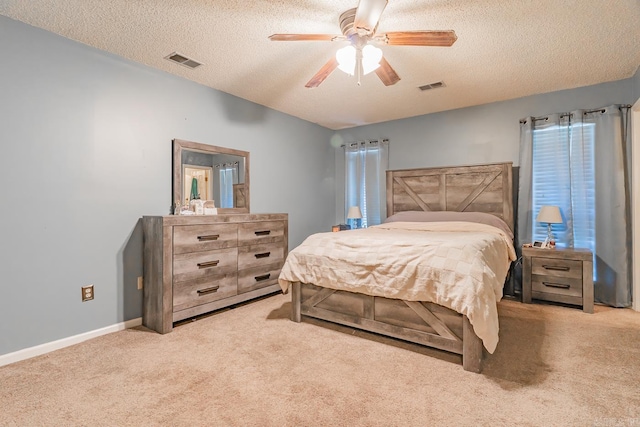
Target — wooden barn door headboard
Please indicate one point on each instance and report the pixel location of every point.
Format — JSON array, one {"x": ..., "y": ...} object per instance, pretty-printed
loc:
[{"x": 477, "y": 188}]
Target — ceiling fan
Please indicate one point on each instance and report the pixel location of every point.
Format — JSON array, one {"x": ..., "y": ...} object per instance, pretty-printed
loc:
[{"x": 360, "y": 57}]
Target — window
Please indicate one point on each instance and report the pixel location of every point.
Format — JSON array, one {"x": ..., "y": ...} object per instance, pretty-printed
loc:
[
  {"x": 227, "y": 177},
  {"x": 226, "y": 188},
  {"x": 365, "y": 166},
  {"x": 563, "y": 174}
]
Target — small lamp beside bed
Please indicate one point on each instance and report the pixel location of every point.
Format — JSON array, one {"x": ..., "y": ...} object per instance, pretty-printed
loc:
[
  {"x": 354, "y": 217},
  {"x": 550, "y": 215}
]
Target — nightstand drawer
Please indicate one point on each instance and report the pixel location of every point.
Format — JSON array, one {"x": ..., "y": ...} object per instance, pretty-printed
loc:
[
  {"x": 566, "y": 268},
  {"x": 557, "y": 285}
]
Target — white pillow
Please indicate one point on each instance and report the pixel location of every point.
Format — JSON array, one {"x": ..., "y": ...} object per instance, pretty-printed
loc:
[{"x": 438, "y": 216}]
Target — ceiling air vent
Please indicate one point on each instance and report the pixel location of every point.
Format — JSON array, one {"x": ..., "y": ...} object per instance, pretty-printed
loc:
[
  {"x": 431, "y": 86},
  {"x": 182, "y": 60}
]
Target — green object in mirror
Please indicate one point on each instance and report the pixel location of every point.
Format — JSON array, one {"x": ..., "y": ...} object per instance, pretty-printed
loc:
[{"x": 194, "y": 189}]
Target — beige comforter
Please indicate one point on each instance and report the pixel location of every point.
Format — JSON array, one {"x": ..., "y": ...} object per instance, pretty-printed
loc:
[{"x": 460, "y": 265}]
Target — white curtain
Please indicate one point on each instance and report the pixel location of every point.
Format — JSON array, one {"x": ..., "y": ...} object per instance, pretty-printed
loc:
[
  {"x": 366, "y": 163},
  {"x": 228, "y": 175},
  {"x": 578, "y": 161}
]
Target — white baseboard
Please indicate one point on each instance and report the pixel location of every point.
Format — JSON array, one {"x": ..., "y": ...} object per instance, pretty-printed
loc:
[{"x": 30, "y": 352}]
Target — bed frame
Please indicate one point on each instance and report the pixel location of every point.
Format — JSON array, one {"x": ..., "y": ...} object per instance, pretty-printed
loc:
[{"x": 479, "y": 188}]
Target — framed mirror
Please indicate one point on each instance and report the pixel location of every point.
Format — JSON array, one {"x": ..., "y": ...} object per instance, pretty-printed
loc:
[{"x": 213, "y": 173}]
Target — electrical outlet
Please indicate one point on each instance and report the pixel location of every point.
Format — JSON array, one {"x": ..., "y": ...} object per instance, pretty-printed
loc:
[
  {"x": 140, "y": 282},
  {"x": 87, "y": 293}
]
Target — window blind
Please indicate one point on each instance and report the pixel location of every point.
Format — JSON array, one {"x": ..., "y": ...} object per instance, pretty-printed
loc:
[{"x": 564, "y": 176}]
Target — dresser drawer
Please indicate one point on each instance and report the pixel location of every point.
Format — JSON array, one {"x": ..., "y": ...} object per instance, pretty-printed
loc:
[
  {"x": 260, "y": 255},
  {"x": 261, "y": 232},
  {"x": 557, "y": 267},
  {"x": 250, "y": 279},
  {"x": 196, "y": 265},
  {"x": 195, "y": 238},
  {"x": 203, "y": 290}
]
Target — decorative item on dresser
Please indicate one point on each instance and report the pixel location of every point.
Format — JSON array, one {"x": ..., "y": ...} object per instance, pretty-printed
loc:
[
  {"x": 558, "y": 275},
  {"x": 197, "y": 264}
]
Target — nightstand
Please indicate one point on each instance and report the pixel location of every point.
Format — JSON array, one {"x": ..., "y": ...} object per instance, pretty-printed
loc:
[{"x": 558, "y": 275}]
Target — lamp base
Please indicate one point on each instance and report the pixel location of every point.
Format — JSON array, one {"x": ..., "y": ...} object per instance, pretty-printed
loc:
[
  {"x": 354, "y": 223},
  {"x": 549, "y": 241}
]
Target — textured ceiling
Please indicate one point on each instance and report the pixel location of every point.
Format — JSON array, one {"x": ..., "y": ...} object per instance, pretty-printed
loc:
[{"x": 505, "y": 49}]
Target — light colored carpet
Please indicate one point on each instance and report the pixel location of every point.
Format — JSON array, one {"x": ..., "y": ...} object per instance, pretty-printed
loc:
[{"x": 252, "y": 366}]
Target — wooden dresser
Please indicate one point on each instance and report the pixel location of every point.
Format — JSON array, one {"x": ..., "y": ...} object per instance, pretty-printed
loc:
[
  {"x": 196, "y": 264},
  {"x": 559, "y": 275}
]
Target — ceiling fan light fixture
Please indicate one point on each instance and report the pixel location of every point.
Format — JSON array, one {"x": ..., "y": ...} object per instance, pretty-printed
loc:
[
  {"x": 359, "y": 26},
  {"x": 371, "y": 57},
  {"x": 346, "y": 58}
]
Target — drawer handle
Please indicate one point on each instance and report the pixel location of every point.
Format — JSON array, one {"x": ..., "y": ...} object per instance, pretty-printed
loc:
[
  {"x": 556, "y": 285},
  {"x": 263, "y": 277},
  {"x": 556, "y": 267},
  {"x": 263, "y": 233},
  {"x": 209, "y": 237},
  {"x": 206, "y": 291},
  {"x": 263, "y": 255},
  {"x": 208, "y": 264}
]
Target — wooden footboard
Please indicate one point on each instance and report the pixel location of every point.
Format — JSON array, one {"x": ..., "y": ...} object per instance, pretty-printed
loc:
[{"x": 423, "y": 323}]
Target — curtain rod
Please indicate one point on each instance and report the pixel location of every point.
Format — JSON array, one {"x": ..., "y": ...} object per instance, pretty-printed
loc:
[
  {"x": 601, "y": 110},
  {"x": 365, "y": 141}
]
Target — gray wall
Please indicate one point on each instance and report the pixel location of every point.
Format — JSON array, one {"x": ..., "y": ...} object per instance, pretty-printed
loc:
[
  {"x": 483, "y": 134},
  {"x": 86, "y": 152}
]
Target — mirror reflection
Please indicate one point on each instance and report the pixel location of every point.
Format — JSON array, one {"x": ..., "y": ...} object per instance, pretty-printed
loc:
[
  {"x": 218, "y": 177},
  {"x": 207, "y": 172}
]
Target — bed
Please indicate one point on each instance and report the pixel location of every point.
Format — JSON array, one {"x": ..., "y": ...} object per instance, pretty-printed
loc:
[{"x": 432, "y": 274}]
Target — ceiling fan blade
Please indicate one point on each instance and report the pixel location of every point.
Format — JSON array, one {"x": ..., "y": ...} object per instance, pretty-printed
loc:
[
  {"x": 323, "y": 73},
  {"x": 367, "y": 16},
  {"x": 420, "y": 38},
  {"x": 304, "y": 37},
  {"x": 387, "y": 74}
]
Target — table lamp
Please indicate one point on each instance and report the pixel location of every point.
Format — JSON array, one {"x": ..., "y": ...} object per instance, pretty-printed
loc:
[
  {"x": 354, "y": 217},
  {"x": 550, "y": 215}
]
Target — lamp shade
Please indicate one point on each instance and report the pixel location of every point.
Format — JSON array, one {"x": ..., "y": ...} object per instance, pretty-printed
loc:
[
  {"x": 550, "y": 215},
  {"x": 354, "y": 213}
]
